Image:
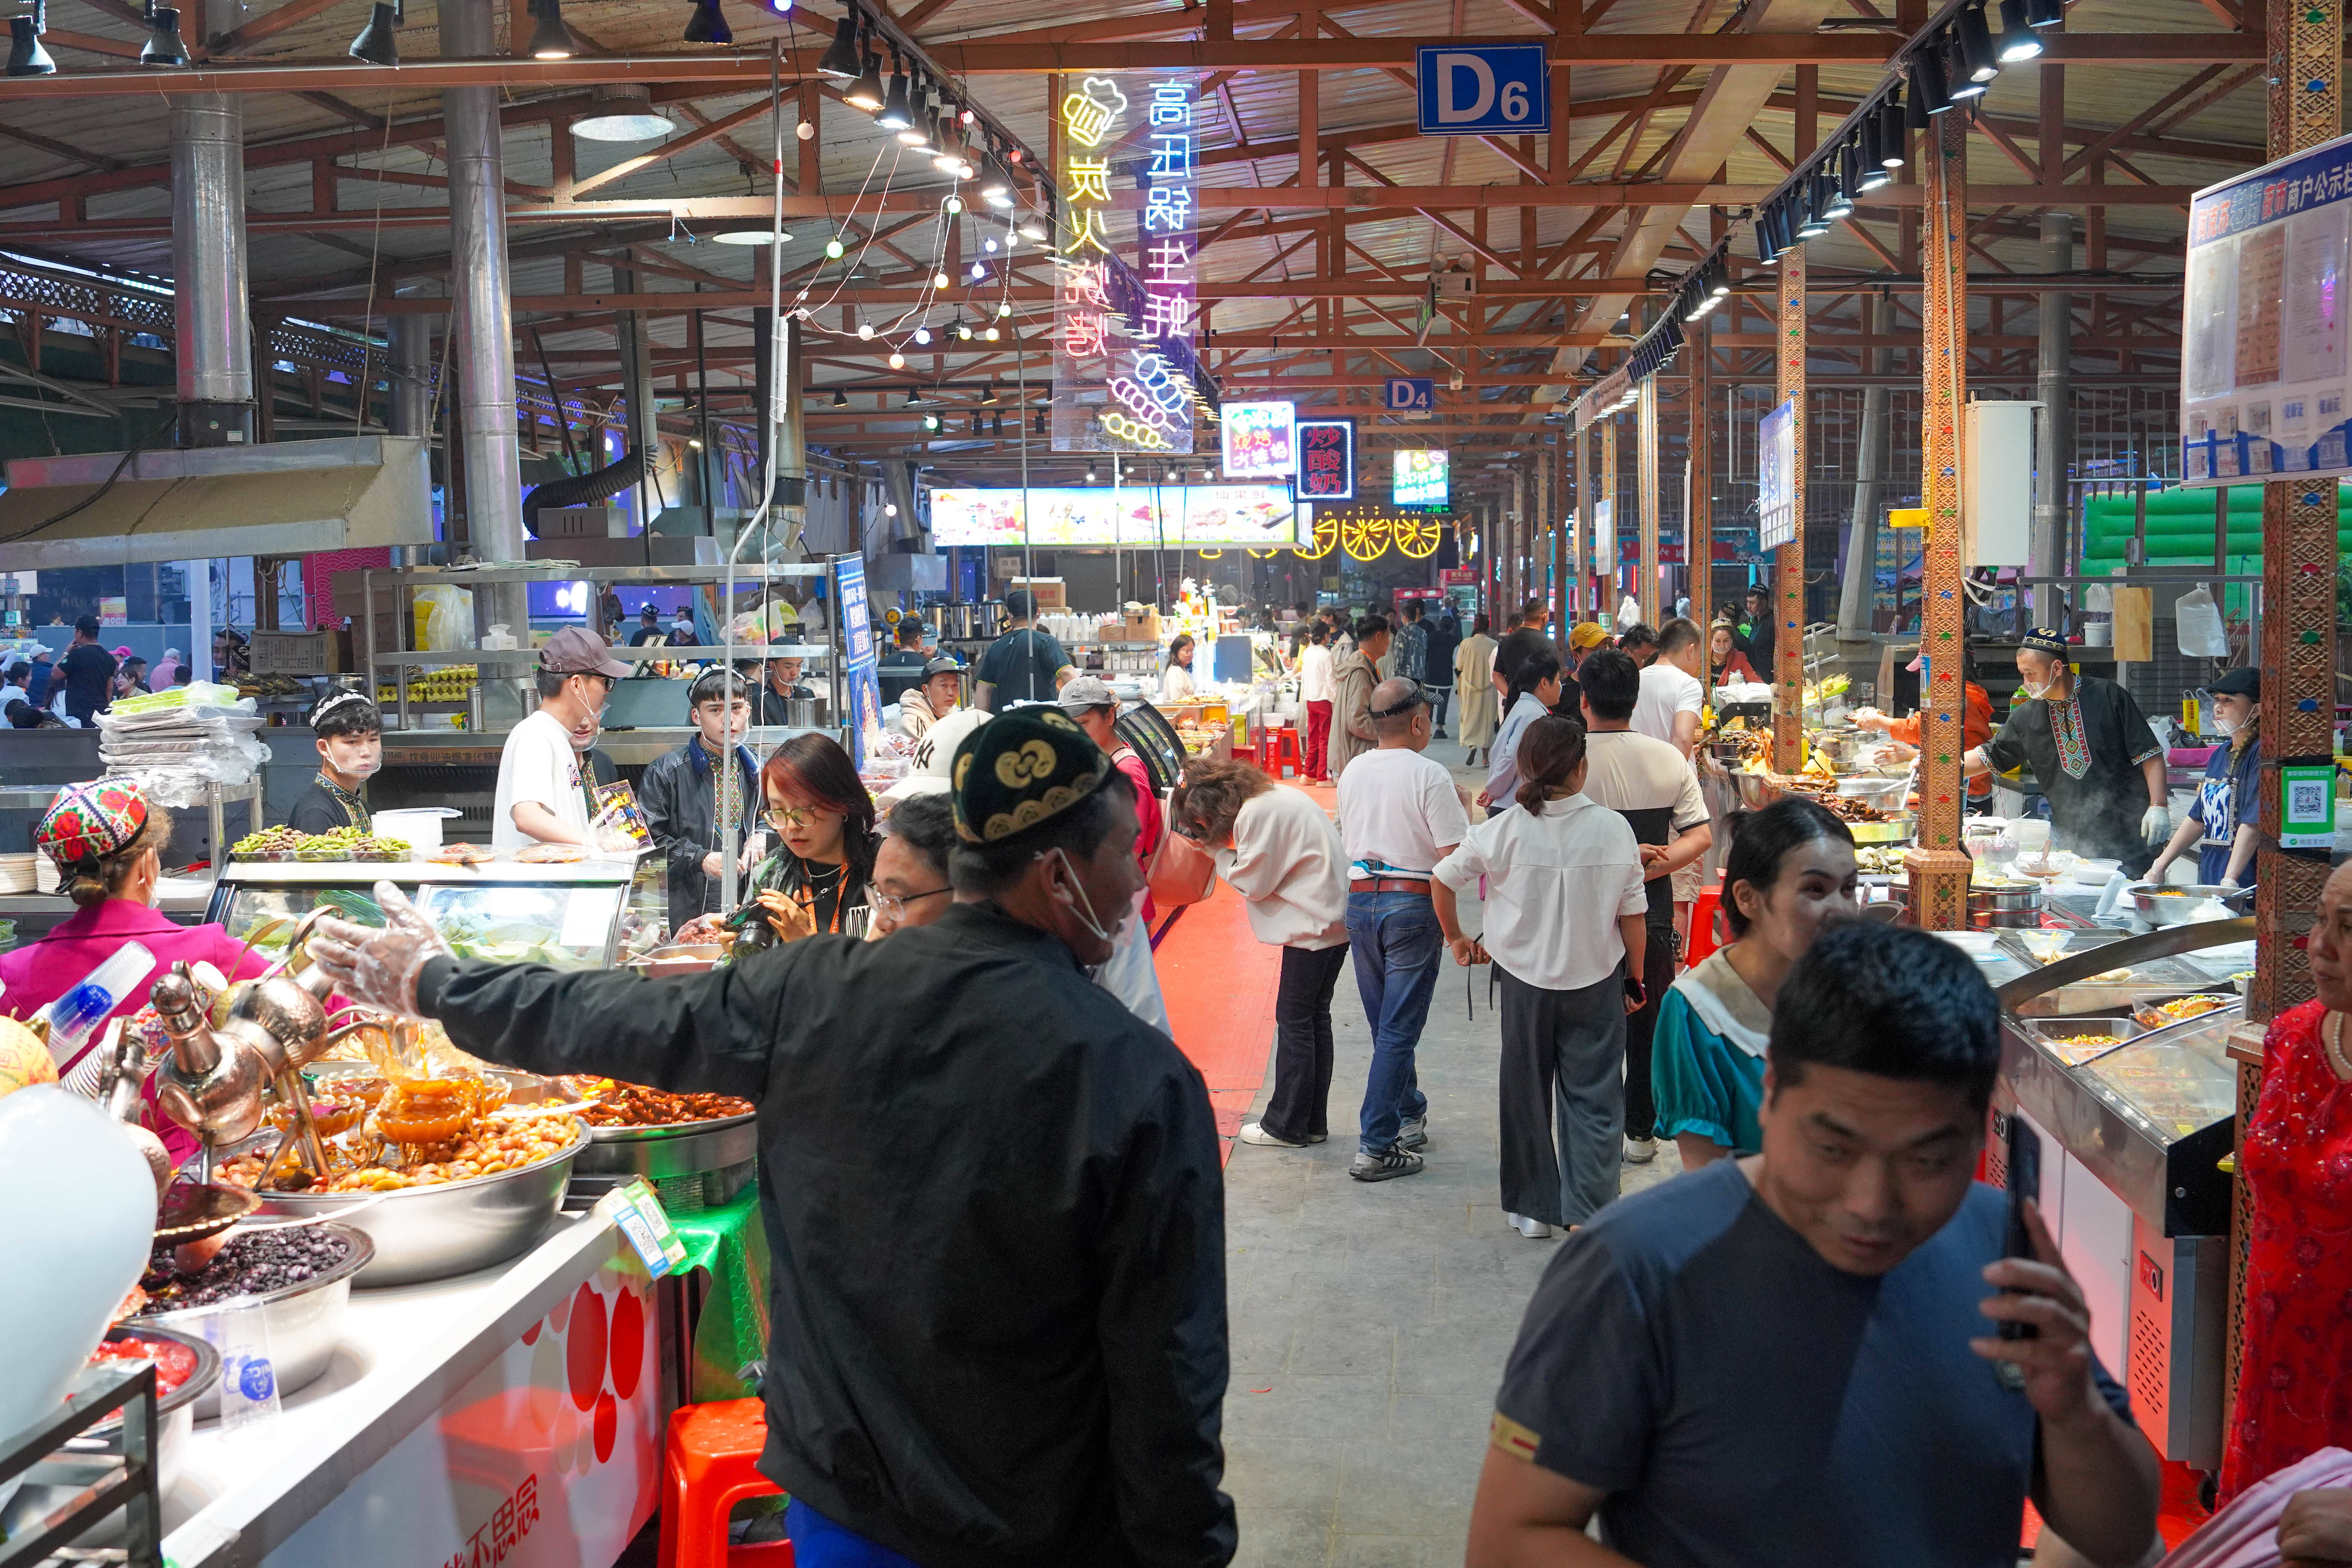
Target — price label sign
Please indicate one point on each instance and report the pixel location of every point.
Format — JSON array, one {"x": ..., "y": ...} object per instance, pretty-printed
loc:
[
  {"x": 637, "y": 1210},
  {"x": 2307, "y": 805}
]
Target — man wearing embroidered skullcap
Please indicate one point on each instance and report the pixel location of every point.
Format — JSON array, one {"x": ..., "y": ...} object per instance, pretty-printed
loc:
[
  {"x": 2090, "y": 749},
  {"x": 994, "y": 1205}
]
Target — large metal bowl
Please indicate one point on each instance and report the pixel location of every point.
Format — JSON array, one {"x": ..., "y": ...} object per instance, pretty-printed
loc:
[
  {"x": 434, "y": 1233},
  {"x": 656, "y": 1152},
  {"x": 2185, "y": 903},
  {"x": 1896, "y": 829},
  {"x": 305, "y": 1321}
]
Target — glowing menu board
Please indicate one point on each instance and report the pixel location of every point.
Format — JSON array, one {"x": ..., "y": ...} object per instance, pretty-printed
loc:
[
  {"x": 1420, "y": 478},
  {"x": 1258, "y": 440},
  {"x": 1327, "y": 459},
  {"x": 1187, "y": 517}
]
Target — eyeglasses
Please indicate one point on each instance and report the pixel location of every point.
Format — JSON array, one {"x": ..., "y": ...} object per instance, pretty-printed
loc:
[
  {"x": 893, "y": 906},
  {"x": 791, "y": 816}
]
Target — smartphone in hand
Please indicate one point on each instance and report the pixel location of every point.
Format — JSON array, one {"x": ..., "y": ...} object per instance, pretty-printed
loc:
[{"x": 2024, "y": 1183}]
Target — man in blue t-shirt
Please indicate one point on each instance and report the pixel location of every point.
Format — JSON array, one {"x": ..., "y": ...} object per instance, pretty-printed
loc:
[{"x": 1791, "y": 1358}]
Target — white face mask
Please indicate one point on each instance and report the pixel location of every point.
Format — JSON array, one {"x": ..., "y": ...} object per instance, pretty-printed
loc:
[{"x": 2223, "y": 725}]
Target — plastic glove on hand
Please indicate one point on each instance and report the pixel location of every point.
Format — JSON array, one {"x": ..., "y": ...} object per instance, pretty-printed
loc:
[
  {"x": 379, "y": 968},
  {"x": 2155, "y": 825}
]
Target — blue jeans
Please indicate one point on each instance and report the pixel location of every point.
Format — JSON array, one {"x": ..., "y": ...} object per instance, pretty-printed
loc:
[
  {"x": 819, "y": 1542},
  {"x": 1396, "y": 943}
]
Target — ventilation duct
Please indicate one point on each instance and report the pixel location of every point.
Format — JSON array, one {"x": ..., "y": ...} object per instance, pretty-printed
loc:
[{"x": 585, "y": 489}]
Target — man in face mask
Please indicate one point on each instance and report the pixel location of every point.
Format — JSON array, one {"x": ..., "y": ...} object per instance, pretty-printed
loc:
[
  {"x": 2091, "y": 750},
  {"x": 1012, "y": 1185}
]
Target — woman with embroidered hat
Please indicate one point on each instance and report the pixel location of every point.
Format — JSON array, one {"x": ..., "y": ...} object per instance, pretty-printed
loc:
[
  {"x": 2089, "y": 746},
  {"x": 2219, "y": 824},
  {"x": 107, "y": 841}
]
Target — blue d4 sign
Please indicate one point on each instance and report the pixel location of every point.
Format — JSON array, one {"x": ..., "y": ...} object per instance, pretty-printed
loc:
[
  {"x": 1477, "y": 90},
  {"x": 1410, "y": 393}
]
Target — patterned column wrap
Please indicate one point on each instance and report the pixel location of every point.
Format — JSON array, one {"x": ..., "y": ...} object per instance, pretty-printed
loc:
[
  {"x": 1580, "y": 487},
  {"x": 1606, "y": 567},
  {"x": 1563, "y": 507},
  {"x": 1699, "y": 519},
  {"x": 1788, "y": 560},
  {"x": 2305, "y": 108},
  {"x": 1645, "y": 460},
  {"x": 1938, "y": 867}
]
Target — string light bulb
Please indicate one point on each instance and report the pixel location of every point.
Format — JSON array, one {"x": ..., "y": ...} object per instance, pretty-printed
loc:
[
  {"x": 897, "y": 360},
  {"x": 833, "y": 249},
  {"x": 865, "y": 331}
]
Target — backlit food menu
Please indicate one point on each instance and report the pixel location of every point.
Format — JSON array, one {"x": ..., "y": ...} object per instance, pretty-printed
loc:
[{"x": 1327, "y": 459}]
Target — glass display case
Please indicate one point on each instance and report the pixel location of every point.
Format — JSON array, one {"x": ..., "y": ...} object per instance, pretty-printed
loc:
[
  {"x": 2136, "y": 1107},
  {"x": 574, "y": 916}
]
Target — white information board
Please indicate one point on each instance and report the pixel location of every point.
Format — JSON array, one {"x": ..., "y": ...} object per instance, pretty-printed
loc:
[{"x": 2263, "y": 373}]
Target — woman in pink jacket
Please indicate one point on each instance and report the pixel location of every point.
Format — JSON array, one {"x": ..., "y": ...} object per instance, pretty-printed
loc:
[{"x": 107, "y": 840}]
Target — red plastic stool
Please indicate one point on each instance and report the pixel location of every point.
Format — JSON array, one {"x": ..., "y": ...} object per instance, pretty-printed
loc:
[
  {"x": 1703, "y": 939},
  {"x": 1286, "y": 753},
  {"x": 707, "y": 1469}
]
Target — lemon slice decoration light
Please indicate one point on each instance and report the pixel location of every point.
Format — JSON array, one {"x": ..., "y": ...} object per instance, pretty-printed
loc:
[
  {"x": 1365, "y": 538},
  {"x": 1416, "y": 536},
  {"x": 1327, "y": 539}
]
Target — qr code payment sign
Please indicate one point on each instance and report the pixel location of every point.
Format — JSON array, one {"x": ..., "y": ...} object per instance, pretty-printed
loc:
[{"x": 2306, "y": 799}]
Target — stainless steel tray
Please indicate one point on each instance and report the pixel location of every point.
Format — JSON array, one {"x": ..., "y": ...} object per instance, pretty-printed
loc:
[
  {"x": 685, "y": 1149},
  {"x": 305, "y": 1321}
]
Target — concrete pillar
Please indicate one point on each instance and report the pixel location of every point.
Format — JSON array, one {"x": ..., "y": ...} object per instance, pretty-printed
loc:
[
  {"x": 2054, "y": 383},
  {"x": 1699, "y": 516}
]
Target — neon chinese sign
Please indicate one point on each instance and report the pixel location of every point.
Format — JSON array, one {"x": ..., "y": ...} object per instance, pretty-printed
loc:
[
  {"x": 1123, "y": 330},
  {"x": 1259, "y": 441},
  {"x": 1420, "y": 478},
  {"x": 1327, "y": 459}
]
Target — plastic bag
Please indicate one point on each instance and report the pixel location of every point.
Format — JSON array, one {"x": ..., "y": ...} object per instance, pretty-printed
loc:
[
  {"x": 2199, "y": 624},
  {"x": 445, "y": 618}
]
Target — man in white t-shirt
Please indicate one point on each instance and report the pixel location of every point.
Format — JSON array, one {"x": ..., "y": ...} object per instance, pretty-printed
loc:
[
  {"x": 1672, "y": 693},
  {"x": 1652, "y": 787},
  {"x": 542, "y": 794},
  {"x": 1400, "y": 814}
]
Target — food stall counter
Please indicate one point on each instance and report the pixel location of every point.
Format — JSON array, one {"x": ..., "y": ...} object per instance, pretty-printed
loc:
[
  {"x": 513, "y": 1415},
  {"x": 574, "y": 915}
]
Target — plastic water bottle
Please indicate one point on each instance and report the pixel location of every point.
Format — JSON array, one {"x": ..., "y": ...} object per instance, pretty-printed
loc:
[{"x": 75, "y": 1016}]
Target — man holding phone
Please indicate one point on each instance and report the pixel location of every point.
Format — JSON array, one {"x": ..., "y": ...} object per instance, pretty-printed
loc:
[{"x": 1785, "y": 1358}]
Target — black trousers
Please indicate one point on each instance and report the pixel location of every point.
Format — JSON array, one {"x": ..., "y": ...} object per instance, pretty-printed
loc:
[
  {"x": 1563, "y": 1060},
  {"x": 1302, "y": 1043},
  {"x": 1657, "y": 974}
]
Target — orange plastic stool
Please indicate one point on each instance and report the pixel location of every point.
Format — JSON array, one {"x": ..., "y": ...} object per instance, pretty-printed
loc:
[
  {"x": 1703, "y": 939},
  {"x": 707, "y": 1469},
  {"x": 1286, "y": 753}
]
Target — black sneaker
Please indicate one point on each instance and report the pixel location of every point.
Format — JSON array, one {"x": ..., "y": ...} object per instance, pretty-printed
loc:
[
  {"x": 1382, "y": 1167},
  {"x": 1413, "y": 1133}
]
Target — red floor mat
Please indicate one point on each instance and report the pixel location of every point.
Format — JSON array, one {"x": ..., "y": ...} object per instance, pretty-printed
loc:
[{"x": 1219, "y": 982}]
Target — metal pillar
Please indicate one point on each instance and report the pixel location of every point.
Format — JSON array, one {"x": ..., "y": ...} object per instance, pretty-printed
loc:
[
  {"x": 409, "y": 365},
  {"x": 1699, "y": 516},
  {"x": 2298, "y": 632},
  {"x": 2054, "y": 382},
  {"x": 1854, "y": 591},
  {"x": 1645, "y": 478},
  {"x": 481, "y": 318},
  {"x": 213, "y": 368},
  {"x": 1938, "y": 867},
  {"x": 1539, "y": 530},
  {"x": 642, "y": 429},
  {"x": 1605, "y": 545},
  {"x": 1788, "y": 560}
]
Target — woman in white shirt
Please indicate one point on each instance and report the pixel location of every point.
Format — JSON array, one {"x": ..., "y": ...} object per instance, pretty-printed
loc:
[
  {"x": 1566, "y": 928},
  {"x": 1317, "y": 688},
  {"x": 1535, "y": 686},
  {"x": 1277, "y": 849},
  {"x": 1176, "y": 683}
]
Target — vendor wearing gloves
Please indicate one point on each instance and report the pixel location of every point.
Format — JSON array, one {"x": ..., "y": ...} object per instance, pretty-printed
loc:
[
  {"x": 546, "y": 787},
  {"x": 1976, "y": 722},
  {"x": 2099, "y": 764},
  {"x": 987, "y": 1187},
  {"x": 2219, "y": 824}
]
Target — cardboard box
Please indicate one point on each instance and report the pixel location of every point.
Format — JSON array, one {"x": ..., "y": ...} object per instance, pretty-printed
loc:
[
  {"x": 1142, "y": 627},
  {"x": 1051, "y": 595},
  {"x": 296, "y": 653}
]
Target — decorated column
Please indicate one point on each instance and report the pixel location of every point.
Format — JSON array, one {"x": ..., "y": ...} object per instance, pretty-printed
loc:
[
  {"x": 1581, "y": 485},
  {"x": 1645, "y": 476},
  {"x": 1604, "y": 541},
  {"x": 1562, "y": 525},
  {"x": 1788, "y": 559},
  {"x": 1938, "y": 867},
  {"x": 1698, "y": 512}
]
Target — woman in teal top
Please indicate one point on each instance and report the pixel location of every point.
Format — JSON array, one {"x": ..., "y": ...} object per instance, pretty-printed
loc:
[{"x": 1789, "y": 868}]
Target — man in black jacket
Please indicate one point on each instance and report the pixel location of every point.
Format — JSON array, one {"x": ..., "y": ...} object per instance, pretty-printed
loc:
[
  {"x": 992, "y": 1194},
  {"x": 680, "y": 792}
]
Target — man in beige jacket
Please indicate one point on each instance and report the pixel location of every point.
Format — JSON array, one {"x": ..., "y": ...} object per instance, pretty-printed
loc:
[{"x": 1354, "y": 677}]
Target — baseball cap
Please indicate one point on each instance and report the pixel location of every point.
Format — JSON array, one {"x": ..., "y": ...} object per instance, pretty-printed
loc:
[
  {"x": 1086, "y": 691},
  {"x": 576, "y": 651},
  {"x": 1585, "y": 634},
  {"x": 941, "y": 667},
  {"x": 935, "y": 754}
]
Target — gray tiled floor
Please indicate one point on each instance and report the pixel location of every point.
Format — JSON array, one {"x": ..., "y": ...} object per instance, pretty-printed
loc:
[{"x": 1370, "y": 1321}]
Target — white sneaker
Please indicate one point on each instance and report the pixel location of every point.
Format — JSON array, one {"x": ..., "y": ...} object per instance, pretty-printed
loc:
[
  {"x": 1533, "y": 1229},
  {"x": 1641, "y": 1151},
  {"x": 1256, "y": 1132}
]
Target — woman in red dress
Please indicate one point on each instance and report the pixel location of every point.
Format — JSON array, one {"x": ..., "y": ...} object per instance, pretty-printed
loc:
[{"x": 2294, "y": 1385}]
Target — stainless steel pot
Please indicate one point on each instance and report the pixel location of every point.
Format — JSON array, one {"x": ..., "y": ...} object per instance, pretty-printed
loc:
[
  {"x": 434, "y": 1233},
  {"x": 2180, "y": 905},
  {"x": 175, "y": 1422},
  {"x": 2004, "y": 899},
  {"x": 305, "y": 1321},
  {"x": 800, "y": 712},
  {"x": 654, "y": 1152},
  {"x": 2004, "y": 920}
]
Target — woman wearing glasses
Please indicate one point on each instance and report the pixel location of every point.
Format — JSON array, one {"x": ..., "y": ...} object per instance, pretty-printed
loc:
[{"x": 817, "y": 879}]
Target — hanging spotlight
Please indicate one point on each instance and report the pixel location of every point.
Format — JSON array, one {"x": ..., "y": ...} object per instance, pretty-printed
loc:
[
  {"x": 840, "y": 60},
  {"x": 1768, "y": 253},
  {"x": 2044, "y": 13},
  {"x": 163, "y": 47},
  {"x": 996, "y": 187},
  {"x": 949, "y": 160},
  {"x": 1930, "y": 94},
  {"x": 1972, "y": 42},
  {"x": 25, "y": 56},
  {"x": 988, "y": 397},
  {"x": 1041, "y": 422},
  {"x": 840, "y": 399},
  {"x": 866, "y": 92},
  {"x": 1892, "y": 124},
  {"x": 976, "y": 421},
  {"x": 918, "y": 132},
  {"x": 2017, "y": 39},
  {"x": 626, "y": 113},
  {"x": 1845, "y": 181},
  {"x": 550, "y": 40},
  {"x": 1033, "y": 227},
  {"x": 1814, "y": 217},
  {"x": 709, "y": 24},
  {"x": 1874, "y": 172},
  {"x": 376, "y": 43},
  {"x": 914, "y": 398},
  {"x": 1717, "y": 278},
  {"x": 896, "y": 115},
  {"x": 1090, "y": 476}
]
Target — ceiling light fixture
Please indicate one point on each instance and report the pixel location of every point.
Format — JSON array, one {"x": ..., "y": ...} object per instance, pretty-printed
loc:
[
  {"x": 2044, "y": 13},
  {"x": 377, "y": 44},
  {"x": 25, "y": 56},
  {"x": 923, "y": 334},
  {"x": 1973, "y": 40},
  {"x": 163, "y": 47},
  {"x": 1930, "y": 94},
  {"x": 626, "y": 113},
  {"x": 2019, "y": 41},
  {"x": 840, "y": 399},
  {"x": 866, "y": 92},
  {"x": 833, "y": 249},
  {"x": 1892, "y": 124},
  {"x": 747, "y": 236},
  {"x": 550, "y": 40},
  {"x": 709, "y": 23},
  {"x": 895, "y": 113},
  {"x": 840, "y": 61}
]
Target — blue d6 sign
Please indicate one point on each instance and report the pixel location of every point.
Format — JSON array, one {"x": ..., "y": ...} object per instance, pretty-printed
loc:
[{"x": 1477, "y": 90}]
